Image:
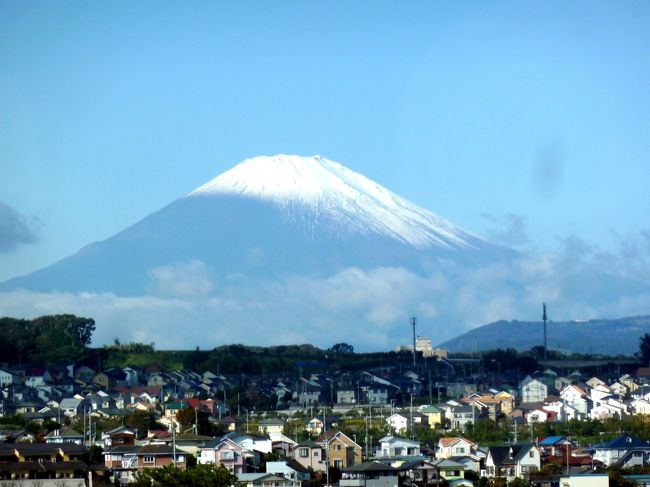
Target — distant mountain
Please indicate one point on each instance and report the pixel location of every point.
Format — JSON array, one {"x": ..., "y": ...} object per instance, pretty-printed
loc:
[
  {"x": 268, "y": 217},
  {"x": 607, "y": 336}
]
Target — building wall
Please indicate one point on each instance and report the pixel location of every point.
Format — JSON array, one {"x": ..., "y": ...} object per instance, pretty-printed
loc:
[{"x": 585, "y": 481}]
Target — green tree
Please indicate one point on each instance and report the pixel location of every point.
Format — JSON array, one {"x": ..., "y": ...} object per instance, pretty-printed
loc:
[
  {"x": 95, "y": 454},
  {"x": 142, "y": 422},
  {"x": 197, "y": 476},
  {"x": 188, "y": 417},
  {"x": 644, "y": 349},
  {"x": 342, "y": 348}
]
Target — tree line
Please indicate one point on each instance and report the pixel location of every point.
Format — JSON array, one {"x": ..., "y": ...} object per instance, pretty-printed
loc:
[{"x": 45, "y": 340}]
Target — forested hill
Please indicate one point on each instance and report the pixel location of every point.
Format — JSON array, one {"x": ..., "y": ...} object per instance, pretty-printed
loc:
[{"x": 607, "y": 336}]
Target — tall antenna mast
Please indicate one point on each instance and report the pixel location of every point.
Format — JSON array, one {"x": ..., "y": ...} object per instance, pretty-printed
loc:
[
  {"x": 414, "y": 321},
  {"x": 544, "y": 318}
]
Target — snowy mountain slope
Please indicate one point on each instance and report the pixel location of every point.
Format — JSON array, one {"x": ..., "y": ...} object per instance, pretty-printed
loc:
[
  {"x": 269, "y": 217},
  {"x": 326, "y": 188}
]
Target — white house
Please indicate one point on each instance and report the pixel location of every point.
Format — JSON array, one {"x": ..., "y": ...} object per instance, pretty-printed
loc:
[
  {"x": 512, "y": 461},
  {"x": 564, "y": 411},
  {"x": 397, "y": 447},
  {"x": 398, "y": 422},
  {"x": 533, "y": 390},
  {"x": 289, "y": 469},
  {"x": 7, "y": 378},
  {"x": 454, "y": 447},
  {"x": 640, "y": 406},
  {"x": 620, "y": 447}
]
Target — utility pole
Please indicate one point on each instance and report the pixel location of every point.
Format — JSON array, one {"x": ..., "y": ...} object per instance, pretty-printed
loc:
[
  {"x": 174, "y": 440},
  {"x": 544, "y": 319},
  {"x": 411, "y": 416},
  {"x": 414, "y": 321}
]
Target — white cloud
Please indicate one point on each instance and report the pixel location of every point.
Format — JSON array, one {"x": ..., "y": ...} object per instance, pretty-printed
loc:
[
  {"x": 182, "y": 279},
  {"x": 368, "y": 308},
  {"x": 16, "y": 229}
]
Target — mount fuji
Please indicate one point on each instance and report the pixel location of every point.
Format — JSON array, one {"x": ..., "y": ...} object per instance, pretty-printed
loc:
[
  {"x": 288, "y": 249},
  {"x": 269, "y": 217}
]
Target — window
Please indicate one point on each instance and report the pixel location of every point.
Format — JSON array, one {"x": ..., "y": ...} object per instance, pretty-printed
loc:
[
  {"x": 337, "y": 447},
  {"x": 303, "y": 452},
  {"x": 149, "y": 459},
  {"x": 531, "y": 454},
  {"x": 460, "y": 449},
  {"x": 338, "y": 464},
  {"x": 316, "y": 453}
]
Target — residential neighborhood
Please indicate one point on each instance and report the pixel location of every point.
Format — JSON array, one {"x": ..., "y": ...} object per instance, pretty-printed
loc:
[{"x": 378, "y": 427}]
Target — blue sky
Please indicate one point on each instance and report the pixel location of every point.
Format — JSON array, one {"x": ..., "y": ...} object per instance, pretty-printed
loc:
[{"x": 526, "y": 122}]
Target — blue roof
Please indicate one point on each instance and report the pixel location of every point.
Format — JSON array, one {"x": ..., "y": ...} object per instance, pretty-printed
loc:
[
  {"x": 551, "y": 440},
  {"x": 623, "y": 442}
]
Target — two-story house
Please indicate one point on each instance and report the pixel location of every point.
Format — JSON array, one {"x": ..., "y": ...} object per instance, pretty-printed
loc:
[
  {"x": 454, "y": 447},
  {"x": 310, "y": 455},
  {"x": 533, "y": 390},
  {"x": 390, "y": 447},
  {"x": 226, "y": 452},
  {"x": 341, "y": 451},
  {"x": 512, "y": 461}
]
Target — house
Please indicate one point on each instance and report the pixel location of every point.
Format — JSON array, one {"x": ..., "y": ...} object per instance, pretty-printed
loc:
[
  {"x": 72, "y": 406},
  {"x": 585, "y": 480},
  {"x": 640, "y": 406},
  {"x": 262, "y": 479},
  {"x": 35, "y": 461},
  {"x": 346, "y": 396},
  {"x": 397, "y": 447},
  {"x": 109, "y": 378},
  {"x": 512, "y": 461},
  {"x": 310, "y": 392},
  {"x": 533, "y": 390},
  {"x": 619, "y": 389},
  {"x": 271, "y": 425},
  {"x": 622, "y": 448},
  {"x": 282, "y": 445},
  {"x": 7, "y": 378},
  {"x": 37, "y": 377},
  {"x": 233, "y": 455},
  {"x": 463, "y": 415},
  {"x": 289, "y": 469},
  {"x": 315, "y": 426},
  {"x": 377, "y": 395},
  {"x": 118, "y": 436},
  {"x": 563, "y": 411},
  {"x": 506, "y": 400},
  {"x": 455, "y": 446},
  {"x": 124, "y": 461},
  {"x": 133, "y": 375},
  {"x": 341, "y": 451},
  {"x": 64, "y": 435},
  {"x": 435, "y": 415},
  {"x": 16, "y": 436},
  {"x": 540, "y": 415},
  {"x": 595, "y": 381},
  {"x": 230, "y": 423},
  {"x": 398, "y": 422},
  {"x": 449, "y": 470},
  {"x": 310, "y": 455},
  {"x": 605, "y": 410},
  {"x": 555, "y": 446},
  {"x": 370, "y": 474}
]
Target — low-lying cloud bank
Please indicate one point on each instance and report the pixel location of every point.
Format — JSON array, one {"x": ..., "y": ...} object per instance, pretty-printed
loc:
[{"x": 186, "y": 307}]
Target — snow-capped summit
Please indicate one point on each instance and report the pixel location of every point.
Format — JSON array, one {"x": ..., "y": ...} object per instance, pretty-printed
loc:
[{"x": 345, "y": 198}]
